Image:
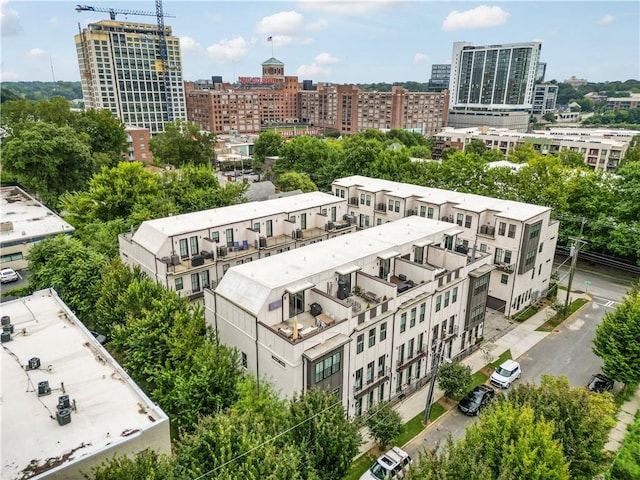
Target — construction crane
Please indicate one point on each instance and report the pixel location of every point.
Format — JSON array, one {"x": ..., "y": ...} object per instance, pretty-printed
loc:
[{"x": 165, "y": 74}]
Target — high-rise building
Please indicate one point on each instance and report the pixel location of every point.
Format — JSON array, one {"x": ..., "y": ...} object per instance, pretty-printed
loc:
[
  {"x": 492, "y": 85},
  {"x": 544, "y": 98},
  {"x": 440, "y": 73},
  {"x": 121, "y": 71}
]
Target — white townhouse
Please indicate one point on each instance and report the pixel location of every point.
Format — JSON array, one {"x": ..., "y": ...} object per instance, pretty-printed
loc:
[
  {"x": 191, "y": 252},
  {"x": 520, "y": 237},
  {"x": 359, "y": 314}
]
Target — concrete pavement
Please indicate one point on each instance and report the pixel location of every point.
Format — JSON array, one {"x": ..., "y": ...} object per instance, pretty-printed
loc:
[{"x": 626, "y": 416}]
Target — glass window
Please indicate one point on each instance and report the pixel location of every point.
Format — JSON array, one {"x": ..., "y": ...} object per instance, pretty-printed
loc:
[
  {"x": 430, "y": 212},
  {"x": 193, "y": 241},
  {"x": 256, "y": 227},
  {"x": 245, "y": 362},
  {"x": 401, "y": 353},
  {"x": 179, "y": 284},
  {"x": 358, "y": 382},
  {"x": 507, "y": 256},
  {"x": 423, "y": 211},
  {"x": 372, "y": 337},
  {"x": 184, "y": 248},
  {"x": 362, "y": 199},
  {"x": 370, "y": 371},
  {"x": 403, "y": 322},
  {"x": 397, "y": 206},
  {"x": 512, "y": 231},
  {"x": 467, "y": 221},
  {"x": 454, "y": 296},
  {"x": 383, "y": 331},
  {"x": 438, "y": 303},
  {"x": 195, "y": 282},
  {"x": 501, "y": 228},
  {"x": 412, "y": 318},
  {"x": 423, "y": 308},
  {"x": 504, "y": 278},
  {"x": 360, "y": 343},
  {"x": 446, "y": 299},
  {"x": 319, "y": 372},
  {"x": 381, "y": 361},
  {"x": 215, "y": 236},
  {"x": 460, "y": 219}
]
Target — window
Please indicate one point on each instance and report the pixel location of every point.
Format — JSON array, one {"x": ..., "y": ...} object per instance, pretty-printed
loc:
[
  {"x": 446, "y": 299},
  {"x": 540, "y": 247},
  {"x": 269, "y": 228},
  {"x": 420, "y": 346},
  {"x": 370, "y": 370},
  {"x": 368, "y": 200},
  {"x": 369, "y": 399},
  {"x": 454, "y": 296},
  {"x": 193, "y": 241},
  {"x": 397, "y": 206},
  {"x": 372, "y": 337},
  {"x": 535, "y": 230},
  {"x": 327, "y": 367},
  {"x": 229, "y": 234},
  {"x": 403, "y": 322},
  {"x": 504, "y": 278},
  {"x": 430, "y": 212},
  {"x": 195, "y": 282},
  {"x": 179, "y": 284},
  {"x": 434, "y": 338},
  {"x": 362, "y": 199},
  {"x": 501, "y": 228},
  {"x": 390, "y": 206},
  {"x": 498, "y": 256},
  {"x": 460, "y": 219},
  {"x": 401, "y": 353},
  {"x": 296, "y": 303},
  {"x": 438, "y": 303},
  {"x": 507, "y": 256},
  {"x": 383, "y": 331},
  {"x": 360, "y": 343},
  {"x": 419, "y": 255},
  {"x": 512, "y": 231},
  {"x": 423, "y": 308},
  {"x": 358, "y": 382},
  {"x": 411, "y": 347},
  {"x": 256, "y": 227},
  {"x": 244, "y": 361},
  {"x": 412, "y": 319},
  {"x": 381, "y": 393},
  {"x": 215, "y": 236},
  {"x": 423, "y": 211},
  {"x": 184, "y": 248},
  {"x": 467, "y": 221},
  {"x": 483, "y": 247},
  {"x": 381, "y": 369},
  {"x": 399, "y": 381}
]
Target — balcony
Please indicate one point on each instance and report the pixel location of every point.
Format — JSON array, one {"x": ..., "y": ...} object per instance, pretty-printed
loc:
[
  {"x": 380, "y": 207},
  {"x": 505, "y": 267},
  {"x": 353, "y": 201}
]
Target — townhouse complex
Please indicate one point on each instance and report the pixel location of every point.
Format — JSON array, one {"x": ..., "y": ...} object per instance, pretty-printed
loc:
[{"x": 191, "y": 252}]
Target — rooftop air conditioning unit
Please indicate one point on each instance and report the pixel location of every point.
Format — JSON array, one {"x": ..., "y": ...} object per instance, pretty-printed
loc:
[
  {"x": 63, "y": 416},
  {"x": 5, "y": 337},
  {"x": 5, "y": 320},
  {"x": 34, "y": 363},
  {"x": 43, "y": 388},
  {"x": 166, "y": 260},
  {"x": 63, "y": 402},
  {"x": 222, "y": 251},
  {"x": 205, "y": 254},
  {"x": 175, "y": 259}
]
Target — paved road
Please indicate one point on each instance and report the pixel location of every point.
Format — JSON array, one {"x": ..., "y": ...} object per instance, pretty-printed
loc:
[
  {"x": 566, "y": 351},
  {"x": 7, "y": 287}
]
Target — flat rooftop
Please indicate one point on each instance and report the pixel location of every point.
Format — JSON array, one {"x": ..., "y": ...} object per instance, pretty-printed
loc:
[
  {"x": 110, "y": 407},
  {"x": 24, "y": 218},
  {"x": 466, "y": 201}
]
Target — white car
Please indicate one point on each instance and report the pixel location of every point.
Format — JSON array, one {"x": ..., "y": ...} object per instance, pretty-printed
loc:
[
  {"x": 390, "y": 466},
  {"x": 506, "y": 374},
  {"x": 8, "y": 275}
]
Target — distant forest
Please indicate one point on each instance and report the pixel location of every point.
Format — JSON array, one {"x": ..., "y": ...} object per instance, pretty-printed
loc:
[{"x": 40, "y": 90}]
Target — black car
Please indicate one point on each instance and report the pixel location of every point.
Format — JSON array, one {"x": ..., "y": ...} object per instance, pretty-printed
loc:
[
  {"x": 475, "y": 399},
  {"x": 600, "y": 383}
]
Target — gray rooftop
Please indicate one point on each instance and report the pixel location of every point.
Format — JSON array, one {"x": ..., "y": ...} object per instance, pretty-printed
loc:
[
  {"x": 110, "y": 407},
  {"x": 25, "y": 218}
]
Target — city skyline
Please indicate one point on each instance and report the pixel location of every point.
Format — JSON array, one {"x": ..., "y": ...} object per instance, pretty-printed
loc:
[{"x": 339, "y": 42}]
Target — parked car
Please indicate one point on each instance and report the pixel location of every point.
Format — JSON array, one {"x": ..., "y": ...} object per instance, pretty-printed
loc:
[
  {"x": 8, "y": 275},
  {"x": 390, "y": 466},
  {"x": 506, "y": 374},
  {"x": 476, "y": 399},
  {"x": 600, "y": 383}
]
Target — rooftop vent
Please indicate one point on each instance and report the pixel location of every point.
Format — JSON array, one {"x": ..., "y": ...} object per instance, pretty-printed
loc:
[
  {"x": 34, "y": 363},
  {"x": 5, "y": 337},
  {"x": 5, "y": 320},
  {"x": 43, "y": 388},
  {"x": 7, "y": 328},
  {"x": 63, "y": 416},
  {"x": 63, "y": 402}
]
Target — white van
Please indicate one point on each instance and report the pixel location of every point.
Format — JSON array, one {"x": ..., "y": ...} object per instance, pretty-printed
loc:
[{"x": 390, "y": 466}]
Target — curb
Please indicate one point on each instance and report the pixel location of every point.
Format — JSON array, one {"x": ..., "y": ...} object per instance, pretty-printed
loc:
[{"x": 429, "y": 426}]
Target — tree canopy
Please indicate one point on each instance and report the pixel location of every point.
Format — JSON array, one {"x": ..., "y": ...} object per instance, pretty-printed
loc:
[{"x": 183, "y": 142}]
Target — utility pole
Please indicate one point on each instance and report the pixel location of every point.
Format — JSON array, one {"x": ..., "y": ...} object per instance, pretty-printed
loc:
[
  {"x": 577, "y": 243},
  {"x": 438, "y": 353}
]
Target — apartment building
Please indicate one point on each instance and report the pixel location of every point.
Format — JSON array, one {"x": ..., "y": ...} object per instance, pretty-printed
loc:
[
  {"x": 544, "y": 98},
  {"x": 520, "y": 237},
  {"x": 120, "y": 71},
  {"x": 493, "y": 85},
  {"x": 193, "y": 251},
  {"x": 624, "y": 103},
  {"x": 67, "y": 406},
  {"x": 360, "y": 315},
  {"x": 138, "y": 145},
  {"x": 440, "y": 74},
  {"x": 602, "y": 150},
  {"x": 24, "y": 222}
]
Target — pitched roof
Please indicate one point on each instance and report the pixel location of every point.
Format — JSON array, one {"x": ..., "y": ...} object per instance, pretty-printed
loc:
[{"x": 272, "y": 61}]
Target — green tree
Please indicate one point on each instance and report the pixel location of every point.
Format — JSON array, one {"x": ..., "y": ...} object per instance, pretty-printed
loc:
[
  {"x": 324, "y": 432},
  {"x": 522, "y": 153},
  {"x": 492, "y": 155},
  {"x": 147, "y": 465},
  {"x": 48, "y": 160},
  {"x": 420, "y": 151},
  {"x": 571, "y": 159},
  {"x": 106, "y": 133},
  {"x": 549, "y": 117},
  {"x": 290, "y": 181},
  {"x": 581, "y": 420},
  {"x": 7, "y": 95},
  {"x": 384, "y": 424},
  {"x": 266, "y": 145},
  {"x": 454, "y": 378},
  {"x": 181, "y": 143},
  {"x": 66, "y": 265},
  {"x": 617, "y": 341},
  {"x": 476, "y": 145}
]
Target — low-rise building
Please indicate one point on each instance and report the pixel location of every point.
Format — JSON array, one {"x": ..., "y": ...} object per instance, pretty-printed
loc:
[
  {"x": 520, "y": 237},
  {"x": 623, "y": 103},
  {"x": 360, "y": 315},
  {"x": 602, "y": 151},
  {"x": 138, "y": 145},
  {"x": 191, "y": 252},
  {"x": 544, "y": 98},
  {"x": 67, "y": 405},
  {"x": 25, "y": 221}
]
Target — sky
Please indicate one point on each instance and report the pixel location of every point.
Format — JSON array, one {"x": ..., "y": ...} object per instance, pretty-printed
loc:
[{"x": 340, "y": 42}]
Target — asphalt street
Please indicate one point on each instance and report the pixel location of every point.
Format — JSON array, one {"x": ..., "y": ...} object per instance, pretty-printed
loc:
[{"x": 566, "y": 351}]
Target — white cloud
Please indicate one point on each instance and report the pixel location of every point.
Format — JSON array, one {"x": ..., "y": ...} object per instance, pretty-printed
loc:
[
  {"x": 228, "y": 50},
  {"x": 347, "y": 7},
  {"x": 420, "y": 58},
  {"x": 189, "y": 45},
  {"x": 9, "y": 20},
  {"x": 282, "y": 23},
  {"x": 479, "y": 17},
  {"x": 320, "y": 67},
  {"x": 317, "y": 25},
  {"x": 7, "y": 76},
  {"x": 36, "y": 52},
  {"x": 53, "y": 21},
  {"x": 606, "y": 20},
  {"x": 281, "y": 40}
]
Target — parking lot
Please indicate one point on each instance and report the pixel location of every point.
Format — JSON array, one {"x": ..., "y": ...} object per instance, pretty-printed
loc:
[{"x": 5, "y": 288}]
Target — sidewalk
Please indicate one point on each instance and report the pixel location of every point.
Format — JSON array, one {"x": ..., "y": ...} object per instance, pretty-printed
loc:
[
  {"x": 626, "y": 416},
  {"x": 501, "y": 335}
]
